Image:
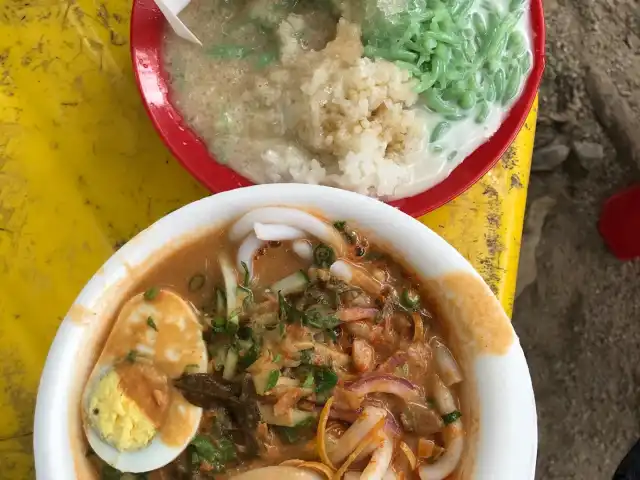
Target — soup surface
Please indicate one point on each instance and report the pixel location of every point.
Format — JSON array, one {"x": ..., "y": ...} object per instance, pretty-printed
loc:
[
  {"x": 383, "y": 98},
  {"x": 321, "y": 353}
]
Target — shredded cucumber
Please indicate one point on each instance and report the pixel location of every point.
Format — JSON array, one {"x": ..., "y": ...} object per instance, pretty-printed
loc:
[{"x": 295, "y": 283}]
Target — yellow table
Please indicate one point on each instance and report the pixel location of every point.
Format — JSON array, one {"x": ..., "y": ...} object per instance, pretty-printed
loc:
[{"x": 82, "y": 170}]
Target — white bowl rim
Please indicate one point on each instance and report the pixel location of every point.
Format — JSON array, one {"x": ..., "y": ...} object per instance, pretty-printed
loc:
[{"x": 507, "y": 442}]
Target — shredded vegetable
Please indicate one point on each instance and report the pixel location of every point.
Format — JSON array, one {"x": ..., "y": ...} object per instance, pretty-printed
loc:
[{"x": 321, "y": 437}]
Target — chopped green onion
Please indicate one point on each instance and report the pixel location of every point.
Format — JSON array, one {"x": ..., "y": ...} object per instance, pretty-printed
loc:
[
  {"x": 340, "y": 226},
  {"x": 409, "y": 298},
  {"x": 449, "y": 418},
  {"x": 247, "y": 278},
  {"x": 323, "y": 255},
  {"x": 151, "y": 293},
  {"x": 151, "y": 323}
]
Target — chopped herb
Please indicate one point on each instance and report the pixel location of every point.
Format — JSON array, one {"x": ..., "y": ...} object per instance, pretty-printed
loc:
[
  {"x": 217, "y": 453},
  {"x": 449, "y": 418},
  {"x": 325, "y": 378},
  {"x": 219, "y": 325},
  {"x": 277, "y": 358},
  {"x": 196, "y": 282},
  {"x": 228, "y": 52},
  {"x": 410, "y": 299},
  {"x": 308, "y": 382},
  {"x": 151, "y": 323},
  {"x": 272, "y": 380},
  {"x": 340, "y": 225},
  {"x": 319, "y": 317},
  {"x": 332, "y": 334},
  {"x": 247, "y": 278},
  {"x": 248, "y": 299},
  {"x": 131, "y": 356},
  {"x": 323, "y": 256},
  {"x": 300, "y": 432},
  {"x": 249, "y": 357},
  {"x": 151, "y": 293},
  {"x": 305, "y": 356},
  {"x": 286, "y": 312}
]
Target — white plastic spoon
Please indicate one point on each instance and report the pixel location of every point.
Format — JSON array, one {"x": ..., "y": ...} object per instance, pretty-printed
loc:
[{"x": 170, "y": 9}]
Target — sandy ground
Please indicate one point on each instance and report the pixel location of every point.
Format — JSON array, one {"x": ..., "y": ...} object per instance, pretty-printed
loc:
[{"x": 578, "y": 311}]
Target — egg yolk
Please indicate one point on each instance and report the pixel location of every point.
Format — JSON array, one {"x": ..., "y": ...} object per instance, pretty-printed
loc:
[{"x": 128, "y": 406}]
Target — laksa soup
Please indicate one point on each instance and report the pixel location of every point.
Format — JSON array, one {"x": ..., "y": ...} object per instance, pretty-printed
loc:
[{"x": 282, "y": 341}]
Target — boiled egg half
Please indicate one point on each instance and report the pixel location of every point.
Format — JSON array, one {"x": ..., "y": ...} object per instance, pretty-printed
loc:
[{"x": 133, "y": 417}]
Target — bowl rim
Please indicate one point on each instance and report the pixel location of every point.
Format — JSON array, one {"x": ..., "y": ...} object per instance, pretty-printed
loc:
[
  {"x": 507, "y": 441},
  {"x": 146, "y": 35}
]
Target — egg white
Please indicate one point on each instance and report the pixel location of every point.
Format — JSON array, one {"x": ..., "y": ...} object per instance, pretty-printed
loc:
[{"x": 156, "y": 454}]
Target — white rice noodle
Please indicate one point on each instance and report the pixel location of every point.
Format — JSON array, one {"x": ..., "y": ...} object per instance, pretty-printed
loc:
[
  {"x": 447, "y": 365},
  {"x": 353, "y": 275},
  {"x": 247, "y": 252},
  {"x": 303, "y": 249},
  {"x": 293, "y": 218},
  {"x": 380, "y": 460},
  {"x": 355, "y": 434},
  {"x": 230, "y": 282},
  {"x": 447, "y": 463},
  {"x": 453, "y": 438},
  {"x": 355, "y": 475},
  {"x": 390, "y": 475},
  {"x": 277, "y": 233}
]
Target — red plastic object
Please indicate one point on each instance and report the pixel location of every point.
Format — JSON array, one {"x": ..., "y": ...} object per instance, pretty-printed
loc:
[
  {"x": 619, "y": 223},
  {"x": 147, "y": 32}
]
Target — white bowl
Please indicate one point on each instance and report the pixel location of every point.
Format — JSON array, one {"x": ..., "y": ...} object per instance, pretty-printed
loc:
[{"x": 500, "y": 416}]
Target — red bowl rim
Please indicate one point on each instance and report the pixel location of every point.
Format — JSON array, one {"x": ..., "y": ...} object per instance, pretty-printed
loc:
[{"x": 147, "y": 29}]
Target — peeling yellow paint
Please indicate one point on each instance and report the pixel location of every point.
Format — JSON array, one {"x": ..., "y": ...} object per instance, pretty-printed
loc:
[{"x": 82, "y": 170}]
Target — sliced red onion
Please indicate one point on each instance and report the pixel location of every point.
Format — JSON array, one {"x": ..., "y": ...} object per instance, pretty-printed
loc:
[
  {"x": 380, "y": 460},
  {"x": 378, "y": 383},
  {"x": 447, "y": 365},
  {"x": 356, "y": 433},
  {"x": 447, "y": 463},
  {"x": 394, "y": 361},
  {"x": 247, "y": 252},
  {"x": 294, "y": 218},
  {"x": 277, "y": 233},
  {"x": 230, "y": 282},
  {"x": 391, "y": 426},
  {"x": 354, "y": 314},
  {"x": 303, "y": 249},
  {"x": 443, "y": 397}
]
